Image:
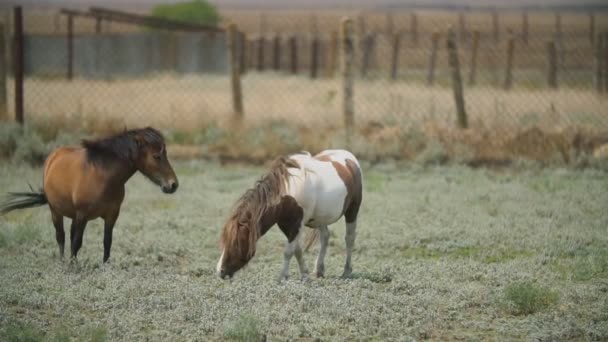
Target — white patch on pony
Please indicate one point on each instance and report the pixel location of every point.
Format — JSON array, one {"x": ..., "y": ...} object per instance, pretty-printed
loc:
[{"x": 218, "y": 268}]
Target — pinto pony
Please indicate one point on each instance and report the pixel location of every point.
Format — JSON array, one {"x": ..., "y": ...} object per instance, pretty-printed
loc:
[
  {"x": 299, "y": 190},
  {"x": 87, "y": 182}
]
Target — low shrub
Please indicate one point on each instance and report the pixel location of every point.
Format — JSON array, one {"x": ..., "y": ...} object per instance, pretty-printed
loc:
[{"x": 525, "y": 298}]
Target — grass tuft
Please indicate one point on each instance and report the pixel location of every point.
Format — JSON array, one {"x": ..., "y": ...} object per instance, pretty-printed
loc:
[
  {"x": 525, "y": 298},
  {"x": 245, "y": 328}
]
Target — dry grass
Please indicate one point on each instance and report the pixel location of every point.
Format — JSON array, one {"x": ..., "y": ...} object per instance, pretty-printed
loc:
[
  {"x": 187, "y": 102},
  {"x": 283, "y": 113}
]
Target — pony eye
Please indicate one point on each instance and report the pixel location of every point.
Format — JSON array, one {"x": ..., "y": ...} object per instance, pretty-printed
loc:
[{"x": 156, "y": 156}]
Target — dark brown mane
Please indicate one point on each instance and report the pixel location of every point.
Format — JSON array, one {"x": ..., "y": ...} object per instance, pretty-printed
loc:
[
  {"x": 122, "y": 146},
  {"x": 249, "y": 209}
]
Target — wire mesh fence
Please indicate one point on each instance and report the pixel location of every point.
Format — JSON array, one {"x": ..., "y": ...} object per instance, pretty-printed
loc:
[{"x": 531, "y": 80}]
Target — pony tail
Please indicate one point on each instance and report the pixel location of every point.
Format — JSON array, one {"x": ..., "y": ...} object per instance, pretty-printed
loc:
[
  {"x": 23, "y": 200},
  {"x": 311, "y": 236}
]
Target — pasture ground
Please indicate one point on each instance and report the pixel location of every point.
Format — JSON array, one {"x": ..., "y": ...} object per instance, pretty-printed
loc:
[{"x": 442, "y": 253}]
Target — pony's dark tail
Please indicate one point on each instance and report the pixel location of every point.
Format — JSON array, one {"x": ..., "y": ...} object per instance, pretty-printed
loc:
[{"x": 22, "y": 200}]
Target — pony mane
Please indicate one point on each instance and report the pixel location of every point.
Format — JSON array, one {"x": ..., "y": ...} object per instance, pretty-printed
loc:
[
  {"x": 123, "y": 145},
  {"x": 255, "y": 202}
]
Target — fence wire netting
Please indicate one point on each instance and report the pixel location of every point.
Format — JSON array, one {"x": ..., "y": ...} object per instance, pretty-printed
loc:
[{"x": 533, "y": 82}]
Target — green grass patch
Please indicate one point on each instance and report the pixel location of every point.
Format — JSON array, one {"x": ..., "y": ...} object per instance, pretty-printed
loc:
[
  {"x": 525, "y": 298},
  {"x": 584, "y": 262},
  {"x": 374, "y": 181},
  {"x": 504, "y": 255},
  {"x": 98, "y": 334},
  {"x": 245, "y": 328},
  {"x": 21, "y": 332}
]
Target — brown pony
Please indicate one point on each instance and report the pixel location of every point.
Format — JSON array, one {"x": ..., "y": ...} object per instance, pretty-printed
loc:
[{"x": 84, "y": 183}]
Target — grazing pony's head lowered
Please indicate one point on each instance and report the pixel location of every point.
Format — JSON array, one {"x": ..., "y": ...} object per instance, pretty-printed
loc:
[
  {"x": 143, "y": 148},
  {"x": 253, "y": 210}
]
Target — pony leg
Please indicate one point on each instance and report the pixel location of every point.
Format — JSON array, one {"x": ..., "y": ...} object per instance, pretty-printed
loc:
[
  {"x": 59, "y": 232},
  {"x": 300, "y": 259},
  {"x": 351, "y": 228},
  {"x": 292, "y": 248},
  {"x": 324, "y": 240},
  {"x": 77, "y": 231},
  {"x": 108, "y": 228}
]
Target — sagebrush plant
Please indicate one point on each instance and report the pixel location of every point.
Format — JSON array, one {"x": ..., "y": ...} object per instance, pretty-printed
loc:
[{"x": 525, "y": 298}]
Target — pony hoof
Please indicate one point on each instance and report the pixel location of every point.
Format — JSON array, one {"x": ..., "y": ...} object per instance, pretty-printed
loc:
[{"x": 320, "y": 274}]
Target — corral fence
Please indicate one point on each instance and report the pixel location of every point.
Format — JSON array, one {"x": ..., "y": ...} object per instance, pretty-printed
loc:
[{"x": 486, "y": 80}]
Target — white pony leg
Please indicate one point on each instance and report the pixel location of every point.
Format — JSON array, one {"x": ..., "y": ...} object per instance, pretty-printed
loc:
[
  {"x": 324, "y": 240},
  {"x": 290, "y": 248},
  {"x": 350, "y": 243},
  {"x": 300, "y": 259}
]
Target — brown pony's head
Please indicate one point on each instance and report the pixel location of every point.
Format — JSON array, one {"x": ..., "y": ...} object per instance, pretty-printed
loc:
[
  {"x": 253, "y": 210},
  {"x": 151, "y": 159},
  {"x": 144, "y": 149}
]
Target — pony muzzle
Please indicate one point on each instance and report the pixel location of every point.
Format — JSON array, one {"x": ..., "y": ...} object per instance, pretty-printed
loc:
[{"x": 170, "y": 186}]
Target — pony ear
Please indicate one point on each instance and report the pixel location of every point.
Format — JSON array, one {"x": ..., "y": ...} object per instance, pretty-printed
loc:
[{"x": 139, "y": 140}]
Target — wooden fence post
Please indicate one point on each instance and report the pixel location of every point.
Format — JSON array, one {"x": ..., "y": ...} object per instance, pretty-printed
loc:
[
  {"x": 18, "y": 63},
  {"x": 495, "y": 26},
  {"x": 276, "y": 53},
  {"x": 456, "y": 79},
  {"x": 332, "y": 52},
  {"x": 509, "y": 67},
  {"x": 261, "y": 43},
  {"x": 314, "y": 57},
  {"x": 552, "y": 70},
  {"x": 3, "y": 74},
  {"x": 70, "y": 47},
  {"x": 414, "y": 28},
  {"x": 346, "y": 66},
  {"x": 368, "y": 51},
  {"x": 430, "y": 79},
  {"x": 235, "y": 72},
  {"x": 395, "y": 56},
  {"x": 293, "y": 55},
  {"x": 524, "y": 27},
  {"x": 473, "y": 66}
]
